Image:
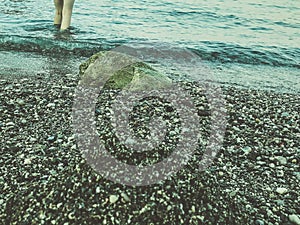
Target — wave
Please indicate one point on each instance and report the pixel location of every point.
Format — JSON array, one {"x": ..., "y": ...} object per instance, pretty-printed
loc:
[
  {"x": 65, "y": 43},
  {"x": 254, "y": 55},
  {"x": 58, "y": 45}
]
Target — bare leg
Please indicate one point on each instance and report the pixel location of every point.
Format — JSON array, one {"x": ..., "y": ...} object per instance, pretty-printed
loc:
[
  {"x": 58, "y": 11},
  {"x": 67, "y": 13}
]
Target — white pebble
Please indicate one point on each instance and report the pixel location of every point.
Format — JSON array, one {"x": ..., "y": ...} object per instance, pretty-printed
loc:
[
  {"x": 10, "y": 124},
  {"x": 27, "y": 161},
  {"x": 294, "y": 219},
  {"x": 272, "y": 165},
  {"x": 113, "y": 198},
  {"x": 98, "y": 190},
  {"x": 51, "y": 105},
  {"x": 281, "y": 190},
  {"x": 282, "y": 160},
  {"x": 125, "y": 197}
]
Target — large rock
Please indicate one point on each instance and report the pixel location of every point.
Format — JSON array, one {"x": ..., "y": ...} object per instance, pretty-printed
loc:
[{"x": 114, "y": 70}]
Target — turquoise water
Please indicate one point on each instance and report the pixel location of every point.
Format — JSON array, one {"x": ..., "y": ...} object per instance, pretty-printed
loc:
[{"x": 226, "y": 34}]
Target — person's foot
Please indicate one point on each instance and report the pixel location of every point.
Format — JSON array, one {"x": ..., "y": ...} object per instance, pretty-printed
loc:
[
  {"x": 67, "y": 30},
  {"x": 57, "y": 26}
]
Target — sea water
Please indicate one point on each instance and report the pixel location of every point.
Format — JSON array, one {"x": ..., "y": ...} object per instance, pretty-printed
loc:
[{"x": 246, "y": 43}]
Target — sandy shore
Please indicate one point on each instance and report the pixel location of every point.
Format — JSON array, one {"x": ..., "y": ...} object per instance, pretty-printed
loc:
[{"x": 255, "y": 179}]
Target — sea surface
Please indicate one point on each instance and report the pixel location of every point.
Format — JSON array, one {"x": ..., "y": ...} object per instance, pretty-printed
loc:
[{"x": 247, "y": 43}]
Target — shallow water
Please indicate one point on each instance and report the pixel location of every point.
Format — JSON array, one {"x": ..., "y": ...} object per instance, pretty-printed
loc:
[{"x": 227, "y": 34}]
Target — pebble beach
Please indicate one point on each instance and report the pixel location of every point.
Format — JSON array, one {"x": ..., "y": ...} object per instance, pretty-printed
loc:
[
  {"x": 248, "y": 51},
  {"x": 255, "y": 178}
]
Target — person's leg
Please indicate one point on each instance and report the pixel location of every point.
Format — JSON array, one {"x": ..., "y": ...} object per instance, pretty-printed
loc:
[
  {"x": 58, "y": 11},
  {"x": 67, "y": 13}
]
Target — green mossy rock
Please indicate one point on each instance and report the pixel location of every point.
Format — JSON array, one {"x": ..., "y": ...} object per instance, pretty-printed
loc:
[{"x": 113, "y": 70}]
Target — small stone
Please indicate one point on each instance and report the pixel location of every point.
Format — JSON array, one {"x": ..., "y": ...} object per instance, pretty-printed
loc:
[
  {"x": 233, "y": 193},
  {"x": 71, "y": 216},
  {"x": 20, "y": 101},
  {"x": 279, "y": 202},
  {"x": 27, "y": 161},
  {"x": 125, "y": 197},
  {"x": 269, "y": 213},
  {"x": 10, "y": 124},
  {"x": 246, "y": 150},
  {"x": 281, "y": 190},
  {"x": 297, "y": 174},
  {"x": 285, "y": 114},
  {"x": 51, "y": 105},
  {"x": 23, "y": 121},
  {"x": 42, "y": 215},
  {"x": 24, "y": 80},
  {"x": 280, "y": 173},
  {"x": 98, "y": 190},
  {"x": 294, "y": 161},
  {"x": 193, "y": 209},
  {"x": 221, "y": 173},
  {"x": 51, "y": 138},
  {"x": 294, "y": 219},
  {"x": 248, "y": 207},
  {"x": 259, "y": 222},
  {"x": 272, "y": 165},
  {"x": 113, "y": 198},
  {"x": 59, "y": 140},
  {"x": 282, "y": 160},
  {"x": 32, "y": 139}
]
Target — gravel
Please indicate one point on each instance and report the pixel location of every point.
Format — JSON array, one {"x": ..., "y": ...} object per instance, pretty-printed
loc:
[{"x": 45, "y": 180}]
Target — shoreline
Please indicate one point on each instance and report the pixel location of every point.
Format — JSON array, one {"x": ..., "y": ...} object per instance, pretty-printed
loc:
[
  {"x": 254, "y": 179},
  {"x": 246, "y": 76}
]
